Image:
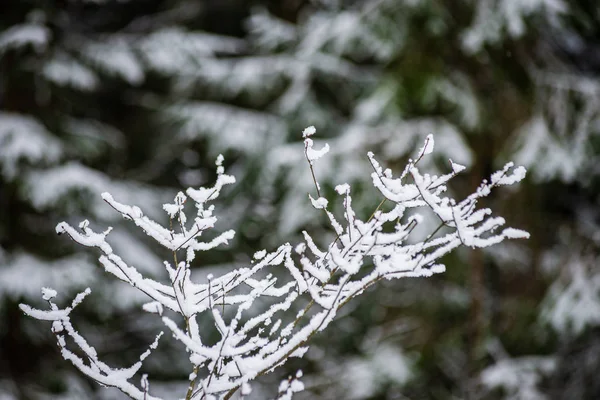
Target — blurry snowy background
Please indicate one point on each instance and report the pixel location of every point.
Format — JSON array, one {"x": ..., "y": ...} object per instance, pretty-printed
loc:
[{"x": 138, "y": 97}]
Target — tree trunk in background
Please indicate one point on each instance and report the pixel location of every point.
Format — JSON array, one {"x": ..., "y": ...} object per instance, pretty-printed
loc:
[
  {"x": 477, "y": 318},
  {"x": 477, "y": 324}
]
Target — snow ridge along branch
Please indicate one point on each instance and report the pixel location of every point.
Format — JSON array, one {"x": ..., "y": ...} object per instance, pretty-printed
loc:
[{"x": 248, "y": 305}]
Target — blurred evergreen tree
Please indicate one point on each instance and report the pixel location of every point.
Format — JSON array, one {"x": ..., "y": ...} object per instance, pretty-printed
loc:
[
  {"x": 72, "y": 125},
  {"x": 489, "y": 78},
  {"x": 137, "y": 98}
]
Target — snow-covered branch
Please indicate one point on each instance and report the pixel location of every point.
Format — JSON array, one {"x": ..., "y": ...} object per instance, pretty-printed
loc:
[{"x": 319, "y": 281}]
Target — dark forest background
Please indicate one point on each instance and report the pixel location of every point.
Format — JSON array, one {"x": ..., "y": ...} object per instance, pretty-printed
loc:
[{"x": 138, "y": 97}]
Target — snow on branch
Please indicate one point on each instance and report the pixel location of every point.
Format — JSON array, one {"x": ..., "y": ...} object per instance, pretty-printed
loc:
[
  {"x": 320, "y": 279},
  {"x": 93, "y": 367}
]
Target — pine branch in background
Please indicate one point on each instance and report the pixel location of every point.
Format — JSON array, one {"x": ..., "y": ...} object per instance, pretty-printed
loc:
[{"x": 491, "y": 78}]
